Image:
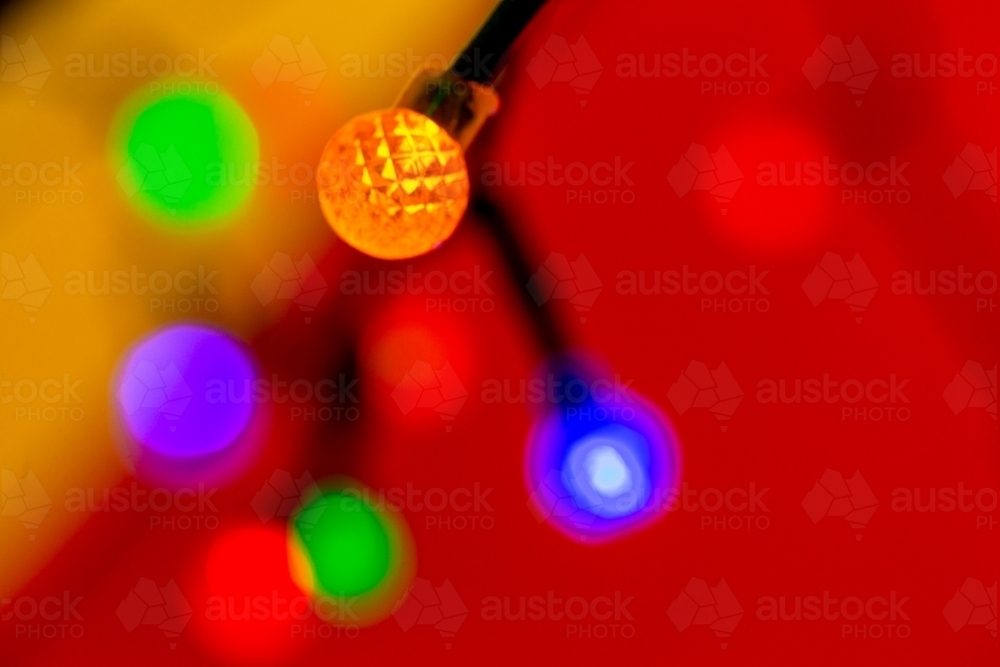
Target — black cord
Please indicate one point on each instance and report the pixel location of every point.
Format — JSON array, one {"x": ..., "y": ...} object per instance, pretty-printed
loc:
[
  {"x": 484, "y": 57},
  {"x": 550, "y": 337}
]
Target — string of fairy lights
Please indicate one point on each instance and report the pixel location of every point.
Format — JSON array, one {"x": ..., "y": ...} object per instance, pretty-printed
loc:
[{"x": 393, "y": 184}]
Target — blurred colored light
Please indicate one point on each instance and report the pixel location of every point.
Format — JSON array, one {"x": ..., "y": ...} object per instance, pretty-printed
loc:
[
  {"x": 604, "y": 472},
  {"x": 186, "y": 157},
  {"x": 398, "y": 346},
  {"x": 348, "y": 545},
  {"x": 176, "y": 389},
  {"x": 393, "y": 184},
  {"x": 785, "y": 204},
  {"x": 601, "y": 466},
  {"x": 342, "y": 548},
  {"x": 393, "y": 355},
  {"x": 248, "y": 595}
]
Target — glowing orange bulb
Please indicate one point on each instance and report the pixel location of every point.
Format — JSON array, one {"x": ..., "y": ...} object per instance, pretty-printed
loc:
[{"x": 393, "y": 183}]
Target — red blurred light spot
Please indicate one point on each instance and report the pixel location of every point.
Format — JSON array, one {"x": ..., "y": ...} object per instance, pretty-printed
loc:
[
  {"x": 394, "y": 352},
  {"x": 785, "y": 212},
  {"x": 248, "y": 597},
  {"x": 409, "y": 348}
]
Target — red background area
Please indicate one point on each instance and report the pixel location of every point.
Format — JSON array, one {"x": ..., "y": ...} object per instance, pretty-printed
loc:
[{"x": 650, "y": 341}]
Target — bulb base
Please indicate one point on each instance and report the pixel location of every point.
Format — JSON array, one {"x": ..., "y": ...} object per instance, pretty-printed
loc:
[{"x": 459, "y": 106}]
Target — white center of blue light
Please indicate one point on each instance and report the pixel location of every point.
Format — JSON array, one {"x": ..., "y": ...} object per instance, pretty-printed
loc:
[{"x": 607, "y": 471}]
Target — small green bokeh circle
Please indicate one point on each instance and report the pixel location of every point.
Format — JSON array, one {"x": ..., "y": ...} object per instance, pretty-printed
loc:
[
  {"x": 185, "y": 158},
  {"x": 348, "y": 544}
]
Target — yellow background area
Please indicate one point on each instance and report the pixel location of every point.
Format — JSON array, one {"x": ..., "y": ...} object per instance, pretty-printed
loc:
[{"x": 77, "y": 339}]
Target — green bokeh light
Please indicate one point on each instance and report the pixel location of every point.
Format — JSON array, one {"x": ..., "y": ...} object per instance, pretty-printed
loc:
[
  {"x": 186, "y": 158},
  {"x": 348, "y": 544}
]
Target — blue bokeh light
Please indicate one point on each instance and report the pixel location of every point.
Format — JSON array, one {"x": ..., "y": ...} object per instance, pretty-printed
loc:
[
  {"x": 603, "y": 463},
  {"x": 606, "y": 472}
]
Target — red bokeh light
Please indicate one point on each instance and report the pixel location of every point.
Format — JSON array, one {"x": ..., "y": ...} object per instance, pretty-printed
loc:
[{"x": 248, "y": 592}]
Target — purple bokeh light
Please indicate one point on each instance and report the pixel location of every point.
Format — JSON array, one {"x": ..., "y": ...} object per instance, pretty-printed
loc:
[{"x": 172, "y": 393}]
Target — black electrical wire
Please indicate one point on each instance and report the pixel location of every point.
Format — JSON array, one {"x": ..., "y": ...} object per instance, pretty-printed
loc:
[
  {"x": 494, "y": 219},
  {"x": 481, "y": 62},
  {"x": 485, "y": 55}
]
